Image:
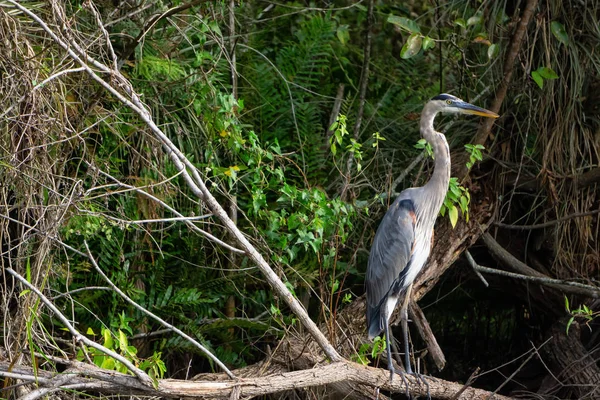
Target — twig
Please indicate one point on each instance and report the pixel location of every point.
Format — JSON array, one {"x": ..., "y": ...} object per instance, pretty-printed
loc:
[
  {"x": 56, "y": 75},
  {"x": 141, "y": 375},
  {"x": 468, "y": 383},
  {"x": 155, "y": 317},
  {"x": 529, "y": 274},
  {"x": 406, "y": 171},
  {"x": 435, "y": 351},
  {"x": 546, "y": 224},
  {"x": 152, "y": 23},
  {"x": 80, "y": 290},
  {"x": 475, "y": 265},
  {"x": 533, "y": 353}
]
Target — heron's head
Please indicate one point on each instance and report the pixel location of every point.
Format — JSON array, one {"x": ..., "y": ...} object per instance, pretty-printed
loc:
[{"x": 450, "y": 104}]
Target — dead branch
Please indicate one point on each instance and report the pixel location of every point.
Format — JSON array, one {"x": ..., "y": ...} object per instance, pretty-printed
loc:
[
  {"x": 435, "y": 351},
  {"x": 547, "y": 224},
  {"x": 528, "y": 273},
  {"x": 350, "y": 372}
]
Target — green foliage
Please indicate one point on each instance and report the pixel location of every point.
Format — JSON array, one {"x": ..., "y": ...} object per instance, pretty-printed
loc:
[
  {"x": 459, "y": 196},
  {"x": 372, "y": 350},
  {"x": 423, "y": 144},
  {"x": 475, "y": 154},
  {"x": 119, "y": 342},
  {"x": 543, "y": 73},
  {"x": 583, "y": 312}
]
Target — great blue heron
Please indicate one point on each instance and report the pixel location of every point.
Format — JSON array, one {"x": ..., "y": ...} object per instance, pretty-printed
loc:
[{"x": 404, "y": 237}]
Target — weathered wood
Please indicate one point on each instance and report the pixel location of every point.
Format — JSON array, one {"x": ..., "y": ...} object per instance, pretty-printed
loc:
[{"x": 349, "y": 372}]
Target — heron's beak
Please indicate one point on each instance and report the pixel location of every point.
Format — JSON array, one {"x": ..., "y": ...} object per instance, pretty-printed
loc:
[{"x": 467, "y": 108}]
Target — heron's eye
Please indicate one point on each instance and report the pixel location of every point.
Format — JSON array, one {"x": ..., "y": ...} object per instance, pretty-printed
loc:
[{"x": 448, "y": 102}]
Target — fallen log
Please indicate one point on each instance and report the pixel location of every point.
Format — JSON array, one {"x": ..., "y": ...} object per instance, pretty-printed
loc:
[{"x": 78, "y": 376}]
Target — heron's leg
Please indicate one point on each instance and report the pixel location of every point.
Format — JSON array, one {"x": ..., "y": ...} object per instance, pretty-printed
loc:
[
  {"x": 404, "y": 318},
  {"x": 404, "y": 324},
  {"x": 388, "y": 341}
]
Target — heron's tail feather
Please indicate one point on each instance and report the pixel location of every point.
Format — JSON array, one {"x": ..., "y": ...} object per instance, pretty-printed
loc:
[{"x": 374, "y": 321}]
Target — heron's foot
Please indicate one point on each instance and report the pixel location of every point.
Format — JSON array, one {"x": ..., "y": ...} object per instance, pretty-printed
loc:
[
  {"x": 402, "y": 374},
  {"x": 422, "y": 379}
]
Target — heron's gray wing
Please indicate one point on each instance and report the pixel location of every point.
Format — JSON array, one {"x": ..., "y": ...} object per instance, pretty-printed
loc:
[{"x": 390, "y": 253}]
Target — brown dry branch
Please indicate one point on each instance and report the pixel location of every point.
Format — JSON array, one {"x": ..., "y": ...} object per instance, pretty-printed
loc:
[
  {"x": 512, "y": 262},
  {"x": 92, "y": 378}
]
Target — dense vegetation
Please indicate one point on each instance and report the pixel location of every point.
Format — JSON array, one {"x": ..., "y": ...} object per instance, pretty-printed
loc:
[{"x": 302, "y": 120}]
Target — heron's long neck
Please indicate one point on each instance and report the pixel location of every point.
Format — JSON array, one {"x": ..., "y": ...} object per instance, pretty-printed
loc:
[{"x": 437, "y": 187}]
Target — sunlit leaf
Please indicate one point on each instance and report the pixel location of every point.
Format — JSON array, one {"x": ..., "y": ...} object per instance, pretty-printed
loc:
[
  {"x": 412, "y": 46},
  {"x": 404, "y": 23},
  {"x": 428, "y": 43},
  {"x": 108, "y": 363},
  {"x": 569, "y": 324},
  {"x": 453, "y": 215},
  {"x": 559, "y": 32}
]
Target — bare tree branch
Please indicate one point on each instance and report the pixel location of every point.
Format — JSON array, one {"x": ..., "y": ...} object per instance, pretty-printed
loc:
[
  {"x": 530, "y": 274},
  {"x": 547, "y": 224}
]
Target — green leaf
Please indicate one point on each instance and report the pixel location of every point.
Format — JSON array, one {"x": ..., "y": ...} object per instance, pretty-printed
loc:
[
  {"x": 569, "y": 324},
  {"x": 464, "y": 203},
  {"x": 343, "y": 34},
  {"x": 428, "y": 43},
  {"x": 108, "y": 340},
  {"x": 493, "y": 51},
  {"x": 412, "y": 46},
  {"x": 538, "y": 79},
  {"x": 404, "y": 23},
  {"x": 559, "y": 32},
  {"x": 122, "y": 340},
  {"x": 453, "y": 215},
  {"x": 108, "y": 363},
  {"x": 461, "y": 22},
  {"x": 547, "y": 73},
  {"x": 567, "y": 304}
]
